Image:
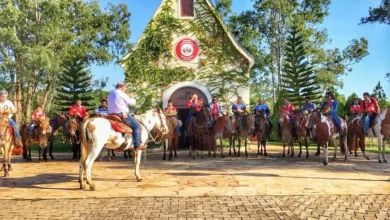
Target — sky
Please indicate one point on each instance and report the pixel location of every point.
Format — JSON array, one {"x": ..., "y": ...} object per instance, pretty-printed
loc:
[{"x": 342, "y": 25}]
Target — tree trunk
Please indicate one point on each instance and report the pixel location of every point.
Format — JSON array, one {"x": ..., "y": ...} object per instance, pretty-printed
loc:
[
  {"x": 18, "y": 97},
  {"x": 46, "y": 95}
]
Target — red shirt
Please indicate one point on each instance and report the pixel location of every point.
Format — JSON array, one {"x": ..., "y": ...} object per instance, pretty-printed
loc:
[
  {"x": 197, "y": 104},
  {"x": 288, "y": 108},
  {"x": 173, "y": 108},
  {"x": 80, "y": 110},
  {"x": 371, "y": 106},
  {"x": 37, "y": 115},
  {"x": 215, "y": 109},
  {"x": 355, "y": 108}
]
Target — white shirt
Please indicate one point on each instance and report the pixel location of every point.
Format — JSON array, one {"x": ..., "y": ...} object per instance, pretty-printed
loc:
[
  {"x": 118, "y": 102},
  {"x": 7, "y": 105}
]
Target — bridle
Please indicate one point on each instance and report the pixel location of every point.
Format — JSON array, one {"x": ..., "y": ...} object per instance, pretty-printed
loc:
[
  {"x": 157, "y": 139},
  {"x": 75, "y": 136}
]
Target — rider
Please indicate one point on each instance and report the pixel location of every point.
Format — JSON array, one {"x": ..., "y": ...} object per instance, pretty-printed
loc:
[
  {"x": 333, "y": 105},
  {"x": 288, "y": 108},
  {"x": 371, "y": 108},
  {"x": 7, "y": 104},
  {"x": 102, "y": 110},
  {"x": 195, "y": 105},
  {"x": 307, "y": 109},
  {"x": 261, "y": 106},
  {"x": 238, "y": 107},
  {"x": 37, "y": 114},
  {"x": 78, "y": 110},
  {"x": 216, "y": 108},
  {"x": 118, "y": 102},
  {"x": 354, "y": 109},
  {"x": 171, "y": 110}
]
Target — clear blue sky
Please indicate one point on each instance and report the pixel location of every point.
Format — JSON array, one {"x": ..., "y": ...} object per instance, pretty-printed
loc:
[{"x": 342, "y": 26}]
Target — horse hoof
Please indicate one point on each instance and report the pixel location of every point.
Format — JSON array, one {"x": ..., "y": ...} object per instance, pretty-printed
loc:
[
  {"x": 164, "y": 158},
  {"x": 385, "y": 161},
  {"x": 356, "y": 155},
  {"x": 9, "y": 169},
  {"x": 223, "y": 156},
  {"x": 380, "y": 161},
  {"x": 367, "y": 158},
  {"x": 51, "y": 157},
  {"x": 346, "y": 160},
  {"x": 170, "y": 158},
  {"x": 334, "y": 159},
  {"x": 6, "y": 174},
  {"x": 215, "y": 156},
  {"x": 325, "y": 163},
  {"x": 292, "y": 155},
  {"x": 283, "y": 155},
  {"x": 82, "y": 186},
  {"x": 317, "y": 154},
  {"x": 139, "y": 180},
  {"x": 258, "y": 155},
  {"x": 39, "y": 161},
  {"x": 2, "y": 168},
  {"x": 307, "y": 156},
  {"x": 265, "y": 154}
]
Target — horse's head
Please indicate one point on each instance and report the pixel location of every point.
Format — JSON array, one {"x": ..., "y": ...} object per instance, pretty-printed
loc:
[
  {"x": 226, "y": 122},
  {"x": 250, "y": 122},
  {"x": 314, "y": 118},
  {"x": 160, "y": 120},
  {"x": 300, "y": 119},
  {"x": 44, "y": 126},
  {"x": 4, "y": 126},
  {"x": 205, "y": 112},
  {"x": 73, "y": 125},
  {"x": 283, "y": 117},
  {"x": 260, "y": 122}
]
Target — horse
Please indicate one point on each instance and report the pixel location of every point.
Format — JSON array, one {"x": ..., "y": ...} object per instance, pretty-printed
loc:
[
  {"x": 97, "y": 133},
  {"x": 286, "y": 129},
  {"x": 7, "y": 142},
  {"x": 245, "y": 126},
  {"x": 355, "y": 137},
  {"x": 172, "y": 138},
  {"x": 300, "y": 126},
  {"x": 219, "y": 127},
  {"x": 74, "y": 126},
  {"x": 40, "y": 136},
  {"x": 385, "y": 130},
  {"x": 261, "y": 130},
  {"x": 198, "y": 130},
  {"x": 324, "y": 133},
  {"x": 55, "y": 123}
]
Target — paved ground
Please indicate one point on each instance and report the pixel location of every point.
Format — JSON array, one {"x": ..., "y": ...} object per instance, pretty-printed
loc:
[{"x": 267, "y": 187}]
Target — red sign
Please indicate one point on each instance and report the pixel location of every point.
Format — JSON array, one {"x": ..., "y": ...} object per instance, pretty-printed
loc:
[{"x": 186, "y": 49}]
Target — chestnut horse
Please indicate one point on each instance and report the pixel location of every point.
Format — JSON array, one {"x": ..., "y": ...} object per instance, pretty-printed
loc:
[
  {"x": 198, "y": 130},
  {"x": 172, "y": 138},
  {"x": 245, "y": 126},
  {"x": 40, "y": 136},
  {"x": 261, "y": 130},
  {"x": 6, "y": 142},
  {"x": 220, "y": 126},
  {"x": 300, "y": 126},
  {"x": 323, "y": 134},
  {"x": 286, "y": 128},
  {"x": 356, "y": 139}
]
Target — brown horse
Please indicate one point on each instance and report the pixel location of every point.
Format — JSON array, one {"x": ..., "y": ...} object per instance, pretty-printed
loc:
[
  {"x": 40, "y": 136},
  {"x": 286, "y": 128},
  {"x": 172, "y": 138},
  {"x": 302, "y": 133},
  {"x": 385, "y": 127},
  {"x": 55, "y": 123},
  {"x": 245, "y": 126},
  {"x": 6, "y": 142},
  {"x": 261, "y": 130},
  {"x": 355, "y": 137},
  {"x": 324, "y": 134},
  {"x": 220, "y": 126},
  {"x": 74, "y": 126},
  {"x": 198, "y": 130}
]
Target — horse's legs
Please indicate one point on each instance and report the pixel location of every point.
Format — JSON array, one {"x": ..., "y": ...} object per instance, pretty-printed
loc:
[
  {"x": 81, "y": 173},
  {"x": 5, "y": 158},
  {"x": 239, "y": 146},
  {"x": 284, "y": 149},
  {"x": 318, "y": 151},
  {"x": 165, "y": 145},
  {"x": 176, "y": 145},
  {"x": 51, "y": 149},
  {"x": 292, "y": 146},
  {"x": 258, "y": 147},
  {"x": 137, "y": 159},
  {"x": 363, "y": 147},
  {"x": 325, "y": 149},
  {"x": 300, "y": 147},
  {"x": 109, "y": 154},
  {"x": 222, "y": 147},
  {"x": 384, "y": 142},
  {"x": 335, "y": 144},
  {"x": 345, "y": 145},
  {"x": 246, "y": 149},
  {"x": 39, "y": 153},
  {"x": 264, "y": 143},
  {"x": 170, "y": 147},
  {"x": 307, "y": 147},
  {"x": 379, "y": 151},
  {"x": 29, "y": 152}
]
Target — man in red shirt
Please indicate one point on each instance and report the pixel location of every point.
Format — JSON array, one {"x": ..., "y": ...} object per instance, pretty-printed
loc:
[
  {"x": 370, "y": 106},
  {"x": 288, "y": 108},
  {"x": 216, "y": 108},
  {"x": 195, "y": 105},
  {"x": 355, "y": 109},
  {"x": 78, "y": 110}
]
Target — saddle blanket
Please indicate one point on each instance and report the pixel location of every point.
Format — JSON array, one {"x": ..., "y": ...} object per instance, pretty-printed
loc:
[
  {"x": 333, "y": 128},
  {"x": 121, "y": 127}
]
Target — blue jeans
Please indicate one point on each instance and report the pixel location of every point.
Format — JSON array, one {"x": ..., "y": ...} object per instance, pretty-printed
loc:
[
  {"x": 177, "y": 126},
  {"x": 15, "y": 126},
  {"x": 133, "y": 123},
  {"x": 367, "y": 122},
  {"x": 30, "y": 133},
  {"x": 337, "y": 122}
]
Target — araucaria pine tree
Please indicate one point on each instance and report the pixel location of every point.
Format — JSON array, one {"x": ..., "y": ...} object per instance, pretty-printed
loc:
[
  {"x": 298, "y": 78},
  {"x": 75, "y": 83}
]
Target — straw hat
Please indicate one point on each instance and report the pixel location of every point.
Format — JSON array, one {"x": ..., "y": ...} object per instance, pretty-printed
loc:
[{"x": 170, "y": 113}]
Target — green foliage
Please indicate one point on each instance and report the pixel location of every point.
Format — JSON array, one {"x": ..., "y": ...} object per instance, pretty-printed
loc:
[
  {"x": 380, "y": 14},
  {"x": 75, "y": 83},
  {"x": 380, "y": 95},
  {"x": 298, "y": 79}
]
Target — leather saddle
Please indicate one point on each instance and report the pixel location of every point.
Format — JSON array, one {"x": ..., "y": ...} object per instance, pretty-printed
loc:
[
  {"x": 118, "y": 125},
  {"x": 333, "y": 128}
]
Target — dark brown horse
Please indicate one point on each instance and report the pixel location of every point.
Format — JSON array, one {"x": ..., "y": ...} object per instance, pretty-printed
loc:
[
  {"x": 355, "y": 137},
  {"x": 198, "y": 130},
  {"x": 286, "y": 128},
  {"x": 261, "y": 130},
  {"x": 172, "y": 138},
  {"x": 220, "y": 126},
  {"x": 245, "y": 126},
  {"x": 40, "y": 137},
  {"x": 302, "y": 133},
  {"x": 74, "y": 126},
  {"x": 55, "y": 123}
]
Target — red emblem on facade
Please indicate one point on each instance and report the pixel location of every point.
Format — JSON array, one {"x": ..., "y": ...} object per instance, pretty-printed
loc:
[{"x": 186, "y": 49}]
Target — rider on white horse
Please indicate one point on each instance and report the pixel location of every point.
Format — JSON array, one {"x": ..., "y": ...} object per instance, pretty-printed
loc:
[{"x": 118, "y": 102}]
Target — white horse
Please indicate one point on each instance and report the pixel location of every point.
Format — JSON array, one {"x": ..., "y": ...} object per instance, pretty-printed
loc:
[
  {"x": 375, "y": 132},
  {"x": 97, "y": 133}
]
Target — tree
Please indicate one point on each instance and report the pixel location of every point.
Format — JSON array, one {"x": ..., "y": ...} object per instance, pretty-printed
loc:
[
  {"x": 75, "y": 83},
  {"x": 380, "y": 95},
  {"x": 298, "y": 79},
  {"x": 380, "y": 14},
  {"x": 37, "y": 36}
]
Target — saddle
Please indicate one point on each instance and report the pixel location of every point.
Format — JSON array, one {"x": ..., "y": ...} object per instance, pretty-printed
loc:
[
  {"x": 118, "y": 125},
  {"x": 333, "y": 128}
]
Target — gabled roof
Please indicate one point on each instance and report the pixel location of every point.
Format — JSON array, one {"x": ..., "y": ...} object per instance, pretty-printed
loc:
[{"x": 217, "y": 17}]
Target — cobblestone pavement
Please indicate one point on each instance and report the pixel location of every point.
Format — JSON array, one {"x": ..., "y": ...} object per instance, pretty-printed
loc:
[{"x": 224, "y": 207}]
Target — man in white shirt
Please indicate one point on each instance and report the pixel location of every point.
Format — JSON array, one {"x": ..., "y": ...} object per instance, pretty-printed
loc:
[
  {"x": 118, "y": 102},
  {"x": 6, "y": 104}
]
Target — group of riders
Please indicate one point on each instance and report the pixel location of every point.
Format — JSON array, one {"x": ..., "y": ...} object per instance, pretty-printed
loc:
[{"x": 118, "y": 102}]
